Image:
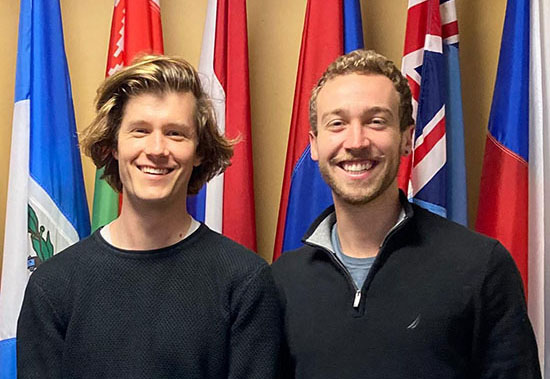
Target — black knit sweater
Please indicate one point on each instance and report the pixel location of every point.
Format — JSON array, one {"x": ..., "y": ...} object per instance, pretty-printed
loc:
[
  {"x": 203, "y": 308},
  {"x": 439, "y": 302}
]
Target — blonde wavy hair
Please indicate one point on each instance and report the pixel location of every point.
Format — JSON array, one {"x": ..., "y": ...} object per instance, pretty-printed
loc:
[
  {"x": 365, "y": 62},
  {"x": 154, "y": 74}
]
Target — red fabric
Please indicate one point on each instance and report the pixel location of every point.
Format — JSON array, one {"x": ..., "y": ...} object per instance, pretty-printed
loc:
[
  {"x": 503, "y": 201},
  {"x": 136, "y": 28},
  {"x": 415, "y": 33},
  {"x": 430, "y": 141},
  {"x": 231, "y": 68},
  {"x": 322, "y": 42},
  {"x": 450, "y": 29},
  {"x": 142, "y": 31},
  {"x": 418, "y": 26}
]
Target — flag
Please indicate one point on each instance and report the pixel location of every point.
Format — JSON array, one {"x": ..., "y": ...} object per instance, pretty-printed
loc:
[
  {"x": 514, "y": 199},
  {"x": 136, "y": 28},
  {"x": 434, "y": 176},
  {"x": 226, "y": 203},
  {"x": 46, "y": 209},
  {"x": 503, "y": 199},
  {"x": 331, "y": 28}
]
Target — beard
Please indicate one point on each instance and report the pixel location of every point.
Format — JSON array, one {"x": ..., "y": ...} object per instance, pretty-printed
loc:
[{"x": 362, "y": 192}]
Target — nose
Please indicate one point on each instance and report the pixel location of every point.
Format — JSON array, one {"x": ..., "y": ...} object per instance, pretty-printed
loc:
[
  {"x": 156, "y": 144},
  {"x": 356, "y": 137}
]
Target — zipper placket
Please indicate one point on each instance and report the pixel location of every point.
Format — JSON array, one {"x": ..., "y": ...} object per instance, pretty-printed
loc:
[
  {"x": 357, "y": 296},
  {"x": 394, "y": 230},
  {"x": 358, "y": 293}
]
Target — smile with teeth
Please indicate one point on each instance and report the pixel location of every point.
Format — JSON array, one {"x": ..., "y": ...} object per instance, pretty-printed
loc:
[
  {"x": 155, "y": 170},
  {"x": 357, "y": 167}
]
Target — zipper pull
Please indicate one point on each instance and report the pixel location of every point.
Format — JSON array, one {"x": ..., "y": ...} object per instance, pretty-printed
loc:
[{"x": 357, "y": 299}]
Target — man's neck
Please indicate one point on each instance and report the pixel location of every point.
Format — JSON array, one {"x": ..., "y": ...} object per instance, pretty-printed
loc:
[
  {"x": 149, "y": 226},
  {"x": 362, "y": 228}
]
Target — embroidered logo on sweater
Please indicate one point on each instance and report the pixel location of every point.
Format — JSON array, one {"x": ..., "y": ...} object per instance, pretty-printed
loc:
[{"x": 415, "y": 323}]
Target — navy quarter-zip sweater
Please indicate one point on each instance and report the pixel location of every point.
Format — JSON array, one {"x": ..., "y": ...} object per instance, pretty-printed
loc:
[{"x": 440, "y": 301}]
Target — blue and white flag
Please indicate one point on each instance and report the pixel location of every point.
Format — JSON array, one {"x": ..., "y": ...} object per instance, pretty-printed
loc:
[{"x": 47, "y": 209}]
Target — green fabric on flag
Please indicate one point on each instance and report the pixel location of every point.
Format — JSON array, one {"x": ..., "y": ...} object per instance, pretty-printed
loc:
[{"x": 105, "y": 208}]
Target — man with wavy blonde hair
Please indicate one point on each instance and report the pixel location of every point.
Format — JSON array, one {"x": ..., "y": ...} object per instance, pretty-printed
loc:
[{"x": 153, "y": 294}]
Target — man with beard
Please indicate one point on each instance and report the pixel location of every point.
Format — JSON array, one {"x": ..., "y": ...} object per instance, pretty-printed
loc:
[{"x": 383, "y": 288}]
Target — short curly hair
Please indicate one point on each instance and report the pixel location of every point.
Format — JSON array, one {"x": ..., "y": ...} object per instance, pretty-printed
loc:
[
  {"x": 365, "y": 62},
  {"x": 154, "y": 74}
]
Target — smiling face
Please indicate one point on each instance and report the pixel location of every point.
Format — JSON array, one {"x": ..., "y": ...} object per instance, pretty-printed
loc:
[
  {"x": 358, "y": 143},
  {"x": 156, "y": 149}
]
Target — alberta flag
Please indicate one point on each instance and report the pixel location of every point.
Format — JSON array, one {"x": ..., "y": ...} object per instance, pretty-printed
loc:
[
  {"x": 46, "y": 209},
  {"x": 331, "y": 28},
  {"x": 226, "y": 203}
]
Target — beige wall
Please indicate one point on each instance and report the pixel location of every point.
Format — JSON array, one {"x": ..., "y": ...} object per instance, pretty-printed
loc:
[{"x": 275, "y": 28}]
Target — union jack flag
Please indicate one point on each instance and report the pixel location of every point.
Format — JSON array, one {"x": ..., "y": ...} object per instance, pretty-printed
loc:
[{"x": 434, "y": 175}]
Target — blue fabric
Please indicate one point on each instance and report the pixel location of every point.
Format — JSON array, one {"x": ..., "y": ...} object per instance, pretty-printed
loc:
[
  {"x": 54, "y": 155},
  {"x": 431, "y": 100},
  {"x": 353, "y": 28},
  {"x": 7, "y": 359},
  {"x": 509, "y": 118},
  {"x": 196, "y": 205},
  {"x": 431, "y": 207},
  {"x": 309, "y": 196},
  {"x": 22, "y": 70},
  {"x": 457, "y": 200}
]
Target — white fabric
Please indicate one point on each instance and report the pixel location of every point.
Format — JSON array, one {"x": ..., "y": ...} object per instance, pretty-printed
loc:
[
  {"x": 214, "y": 189},
  {"x": 62, "y": 232},
  {"x": 429, "y": 166},
  {"x": 106, "y": 231},
  {"x": 539, "y": 180},
  {"x": 16, "y": 242}
]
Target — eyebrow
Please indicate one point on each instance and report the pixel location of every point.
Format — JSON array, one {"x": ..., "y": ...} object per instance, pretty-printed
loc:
[
  {"x": 169, "y": 125},
  {"x": 370, "y": 111},
  {"x": 336, "y": 112}
]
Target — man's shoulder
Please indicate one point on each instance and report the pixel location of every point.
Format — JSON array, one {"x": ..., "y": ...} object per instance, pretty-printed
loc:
[
  {"x": 442, "y": 229},
  {"x": 229, "y": 254},
  {"x": 68, "y": 259},
  {"x": 294, "y": 263},
  {"x": 54, "y": 277}
]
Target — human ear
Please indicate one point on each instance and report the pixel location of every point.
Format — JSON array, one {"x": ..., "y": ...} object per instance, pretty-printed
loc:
[
  {"x": 406, "y": 140},
  {"x": 313, "y": 144}
]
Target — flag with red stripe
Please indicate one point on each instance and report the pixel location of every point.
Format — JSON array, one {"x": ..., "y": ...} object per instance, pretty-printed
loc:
[
  {"x": 503, "y": 198},
  {"x": 135, "y": 29},
  {"x": 331, "y": 28},
  {"x": 434, "y": 175},
  {"x": 226, "y": 203}
]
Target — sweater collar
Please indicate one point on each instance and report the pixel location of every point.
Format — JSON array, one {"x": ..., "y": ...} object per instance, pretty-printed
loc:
[{"x": 319, "y": 232}]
